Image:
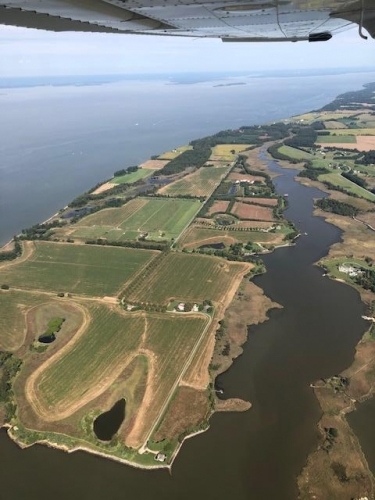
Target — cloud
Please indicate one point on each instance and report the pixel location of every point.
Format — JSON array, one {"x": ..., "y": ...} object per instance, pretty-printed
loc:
[{"x": 34, "y": 52}]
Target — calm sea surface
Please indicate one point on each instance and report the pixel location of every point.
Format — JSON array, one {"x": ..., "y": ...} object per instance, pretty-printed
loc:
[
  {"x": 246, "y": 456},
  {"x": 56, "y": 142}
]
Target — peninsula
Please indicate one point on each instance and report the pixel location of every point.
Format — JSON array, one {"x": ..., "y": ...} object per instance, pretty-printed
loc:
[
  {"x": 119, "y": 312},
  {"x": 113, "y": 324}
]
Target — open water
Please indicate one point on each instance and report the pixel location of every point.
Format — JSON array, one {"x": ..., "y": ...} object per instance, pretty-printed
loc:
[
  {"x": 58, "y": 141},
  {"x": 246, "y": 456}
]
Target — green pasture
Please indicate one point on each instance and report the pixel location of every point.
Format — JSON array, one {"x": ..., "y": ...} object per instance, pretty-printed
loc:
[
  {"x": 338, "y": 180},
  {"x": 139, "y": 174},
  {"x": 294, "y": 153},
  {"x": 160, "y": 218},
  {"x": 339, "y": 138}
]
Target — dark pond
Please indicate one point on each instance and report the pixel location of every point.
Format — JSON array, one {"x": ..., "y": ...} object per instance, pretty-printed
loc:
[
  {"x": 244, "y": 456},
  {"x": 109, "y": 422},
  {"x": 47, "y": 339}
]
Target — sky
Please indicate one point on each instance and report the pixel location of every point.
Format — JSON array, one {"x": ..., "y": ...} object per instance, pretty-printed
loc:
[{"x": 29, "y": 52}]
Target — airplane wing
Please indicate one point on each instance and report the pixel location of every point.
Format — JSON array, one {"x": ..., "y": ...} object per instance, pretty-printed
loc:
[{"x": 241, "y": 20}]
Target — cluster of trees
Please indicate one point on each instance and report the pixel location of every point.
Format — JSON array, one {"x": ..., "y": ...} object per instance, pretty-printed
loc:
[
  {"x": 9, "y": 366},
  {"x": 235, "y": 252},
  {"x": 41, "y": 231},
  {"x": 336, "y": 207},
  {"x": 125, "y": 171},
  {"x": 304, "y": 137},
  {"x": 354, "y": 178},
  {"x": 312, "y": 172},
  {"x": 183, "y": 196},
  {"x": 366, "y": 279},
  {"x": 148, "y": 245},
  {"x": 368, "y": 158},
  {"x": 195, "y": 157},
  {"x": 12, "y": 254}
]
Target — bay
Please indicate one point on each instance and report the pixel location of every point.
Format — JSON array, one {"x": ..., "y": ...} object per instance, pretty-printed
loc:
[{"x": 58, "y": 141}]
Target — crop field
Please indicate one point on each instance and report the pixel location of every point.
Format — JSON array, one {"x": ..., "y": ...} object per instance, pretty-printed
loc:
[
  {"x": 80, "y": 371},
  {"x": 353, "y": 131},
  {"x": 253, "y": 212},
  {"x": 218, "y": 207},
  {"x": 223, "y": 151},
  {"x": 171, "y": 155},
  {"x": 13, "y": 307},
  {"x": 334, "y": 125},
  {"x": 161, "y": 218},
  {"x": 170, "y": 339},
  {"x": 92, "y": 362},
  {"x": 112, "y": 217},
  {"x": 347, "y": 139},
  {"x": 338, "y": 180},
  {"x": 295, "y": 153},
  {"x": 139, "y": 174},
  {"x": 268, "y": 202},
  {"x": 83, "y": 269},
  {"x": 153, "y": 164},
  {"x": 325, "y": 115},
  {"x": 202, "y": 182},
  {"x": 185, "y": 277}
]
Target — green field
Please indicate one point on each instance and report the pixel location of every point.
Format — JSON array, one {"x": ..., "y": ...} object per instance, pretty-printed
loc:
[
  {"x": 294, "y": 153},
  {"x": 339, "y": 138},
  {"x": 202, "y": 182},
  {"x": 82, "y": 269},
  {"x": 338, "y": 180},
  {"x": 184, "y": 277},
  {"x": 108, "y": 342},
  {"x": 132, "y": 176},
  {"x": 161, "y": 218}
]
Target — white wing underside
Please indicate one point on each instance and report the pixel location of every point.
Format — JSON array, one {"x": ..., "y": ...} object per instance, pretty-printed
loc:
[{"x": 241, "y": 20}]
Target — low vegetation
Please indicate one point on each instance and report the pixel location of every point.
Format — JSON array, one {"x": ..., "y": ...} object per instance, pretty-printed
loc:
[{"x": 82, "y": 269}]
